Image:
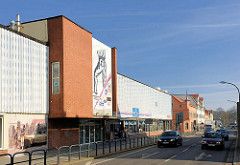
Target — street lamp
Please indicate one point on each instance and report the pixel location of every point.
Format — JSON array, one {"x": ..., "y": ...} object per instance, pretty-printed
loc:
[
  {"x": 238, "y": 112},
  {"x": 232, "y": 101}
]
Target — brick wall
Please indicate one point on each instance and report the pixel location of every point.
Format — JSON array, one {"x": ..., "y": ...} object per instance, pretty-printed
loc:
[{"x": 72, "y": 46}]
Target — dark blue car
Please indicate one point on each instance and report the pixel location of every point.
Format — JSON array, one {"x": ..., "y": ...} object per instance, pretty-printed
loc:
[{"x": 224, "y": 133}]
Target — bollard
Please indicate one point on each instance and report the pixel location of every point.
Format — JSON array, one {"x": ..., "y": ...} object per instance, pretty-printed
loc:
[
  {"x": 141, "y": 141},
  {"x": 144, "y": 141},
  {"x": 115, "y": 145}
]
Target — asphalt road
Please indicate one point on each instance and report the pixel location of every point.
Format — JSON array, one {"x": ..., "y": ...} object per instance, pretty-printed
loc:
[{"x": 189, "y": 153}]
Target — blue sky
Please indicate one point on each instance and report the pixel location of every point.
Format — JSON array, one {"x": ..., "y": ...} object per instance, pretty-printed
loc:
[{"x": 175, "y": 45}]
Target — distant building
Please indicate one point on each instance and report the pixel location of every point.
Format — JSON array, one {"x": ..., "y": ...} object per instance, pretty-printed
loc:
[
  {"x": 184, "y": 114},
  {"x": 142, "y": 110}
]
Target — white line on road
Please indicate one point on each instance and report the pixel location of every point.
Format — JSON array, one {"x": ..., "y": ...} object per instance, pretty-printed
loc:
[
  {"x": 150, "y": 155},
  {"x": 185, "y": 150},
  {"x": 186, "y": 140},
  {"x": 170, "y": 158},
  {"x": 123, "y": 155},
  {"x": 88, "y": 163}
]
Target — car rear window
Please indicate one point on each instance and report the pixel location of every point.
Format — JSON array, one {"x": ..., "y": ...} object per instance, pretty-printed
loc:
[{"x": 169, "y": 134}]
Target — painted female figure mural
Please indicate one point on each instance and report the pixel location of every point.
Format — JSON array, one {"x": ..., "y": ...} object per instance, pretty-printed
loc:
[{"x": 100, "y": 70}]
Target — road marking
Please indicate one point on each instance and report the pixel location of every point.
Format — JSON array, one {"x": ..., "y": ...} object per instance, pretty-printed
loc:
[
  {"x": 186, "y": 140},
  {"x": 88, "y": 163},
  {"x": 150, "y": 155},
  {"x": 170, "y": 158},
  {"x": 200, "y": 156},
  {"x": 185, "y": 150},
  {"x": 122, "y": 155}
]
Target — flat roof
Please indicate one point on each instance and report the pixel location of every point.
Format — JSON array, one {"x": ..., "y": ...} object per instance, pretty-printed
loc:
[{"x": 24, "y": 35}]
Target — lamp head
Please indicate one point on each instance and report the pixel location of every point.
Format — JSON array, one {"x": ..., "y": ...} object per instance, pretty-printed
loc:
[{"x": 223, "y": 82}]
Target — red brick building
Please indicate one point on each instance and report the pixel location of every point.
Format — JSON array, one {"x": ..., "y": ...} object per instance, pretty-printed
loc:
[
  {"x": 75, "y": 113},
  {"x": 183, "y": 109}
]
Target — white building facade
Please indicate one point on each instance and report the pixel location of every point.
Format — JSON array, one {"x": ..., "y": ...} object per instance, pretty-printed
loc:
[
  {"x": 23, "y": 90},
  {"x": 141, "y": 108}
]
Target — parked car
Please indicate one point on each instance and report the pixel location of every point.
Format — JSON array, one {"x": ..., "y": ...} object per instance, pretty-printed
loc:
[
  {"x": 224, "y": 133},
  {"x": 207, "y": 130},
  {"x": 212, "y": 139},
  {"x": 233, "y": 125},
  {"x": 170, "y": 138}
]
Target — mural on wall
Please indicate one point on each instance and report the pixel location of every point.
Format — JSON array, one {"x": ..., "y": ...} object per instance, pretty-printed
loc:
[
  {"x": 26, "y": 133},
  {"x": 102, "y": 82}
]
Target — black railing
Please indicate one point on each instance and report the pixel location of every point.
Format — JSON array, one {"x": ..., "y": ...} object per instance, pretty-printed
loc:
[{"x": 68, "y": 153}]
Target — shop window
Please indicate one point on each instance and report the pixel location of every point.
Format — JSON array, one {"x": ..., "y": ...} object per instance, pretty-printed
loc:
[
  {"x": 55, "y": 78},
  {"x": 186, "y": 126}
]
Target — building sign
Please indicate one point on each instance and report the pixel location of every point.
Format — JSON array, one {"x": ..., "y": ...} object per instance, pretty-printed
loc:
[
  {"x": 102, "y": 79},
  {"x": 135, "y": 112}
]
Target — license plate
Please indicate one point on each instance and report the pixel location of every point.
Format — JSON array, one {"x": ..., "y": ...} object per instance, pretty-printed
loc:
[
  {"x": 165, "y": 142},
  {"x": 211, "y": 144}
]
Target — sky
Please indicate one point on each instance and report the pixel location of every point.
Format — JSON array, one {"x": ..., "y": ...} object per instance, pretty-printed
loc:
[{"x": 176, "y": 45}]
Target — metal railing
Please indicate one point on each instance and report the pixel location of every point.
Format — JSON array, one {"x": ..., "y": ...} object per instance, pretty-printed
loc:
[{"x": 77, "y": 151}]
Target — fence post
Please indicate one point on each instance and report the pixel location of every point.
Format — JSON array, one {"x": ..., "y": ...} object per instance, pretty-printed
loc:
[
  {"x": 153, "y": 139},
  {"x": 137, "y": 141},
  {"x": 88, "y": 152},
  {"x": 80, "y": 152},
  {"x": 141, "y": 140},
  {"x": 58, "y": 158},
  {"x": 121, "y": 144},
  {"x": 125, "y": 143},
  {"x": 110, "y": 146},
  {"x": 130, "y": 143},
  {"x": 69, "y": 154},
  {"x": 30, "y": 158},
  {"x": 11, "y": 160},
  {"x": 96, "y": 148},
  {"x": 45, "y": 157},
  {"x": 144, "y": 141},
  {"x": 115, "y": 145},
  {"x": 103, "y": 147}
]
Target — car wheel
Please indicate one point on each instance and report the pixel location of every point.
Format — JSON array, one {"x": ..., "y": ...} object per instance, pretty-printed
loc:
[
  {"x": 227, "y": 138},
  {"x": 159, "y": 145},
  {"x": 203, "y": 147}
]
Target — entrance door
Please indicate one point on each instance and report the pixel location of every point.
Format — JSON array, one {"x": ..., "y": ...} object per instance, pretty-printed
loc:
[
  {"x": 82, "y": 134},
  {"x": 92, "y": 137}
]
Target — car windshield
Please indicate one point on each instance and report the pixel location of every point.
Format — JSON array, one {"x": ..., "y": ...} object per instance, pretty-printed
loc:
[
  {"x": 212, "y": 135},
  {"x": 169, "y": 134}
]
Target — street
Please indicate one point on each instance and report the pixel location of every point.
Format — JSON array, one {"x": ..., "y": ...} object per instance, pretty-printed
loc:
[{"x": 189, "y": 153}]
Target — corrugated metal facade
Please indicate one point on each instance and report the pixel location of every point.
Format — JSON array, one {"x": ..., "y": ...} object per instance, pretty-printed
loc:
[
  {"x": 151, "y": 103},
  {"x": 23, "y": 74}
]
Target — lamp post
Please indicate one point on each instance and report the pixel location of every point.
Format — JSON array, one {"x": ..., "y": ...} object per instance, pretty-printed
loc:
[{"x": 238, "y": 112}]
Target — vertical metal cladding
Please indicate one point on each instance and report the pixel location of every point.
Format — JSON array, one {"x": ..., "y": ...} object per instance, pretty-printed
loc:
[
  {"x": 139, "y": 100},
  {"x": 23, "y": 74}
]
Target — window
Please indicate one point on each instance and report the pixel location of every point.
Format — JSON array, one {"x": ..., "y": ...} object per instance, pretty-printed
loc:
[
  {"x": 180, "y": 105},
  {"x": 186, "y": 126},
  {"x": 55, "y": 78}
]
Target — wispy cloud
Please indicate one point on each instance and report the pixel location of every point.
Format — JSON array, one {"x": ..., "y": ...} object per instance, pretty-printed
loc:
[
  {"x": 212, "y": 25},
  {"x": 217, "y": 85}
]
